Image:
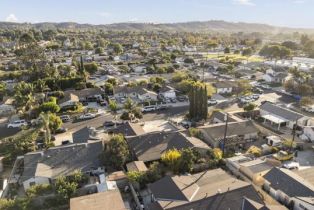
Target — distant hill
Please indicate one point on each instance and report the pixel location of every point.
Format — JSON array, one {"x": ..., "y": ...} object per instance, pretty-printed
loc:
[{"x": 196, "y": 26}]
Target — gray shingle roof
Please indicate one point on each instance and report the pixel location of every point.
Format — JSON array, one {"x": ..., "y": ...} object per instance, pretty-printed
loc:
[
  {"x": 81, "y": 136},
  {"x": 280, "y": 111},
  {"x": 63, "y": 160},
  {"x": 128, "y": 129},
  {"x": 216, "y": 132},
  {"x": 214, "y": 189},
  {"x": 151, "y": 146},
  {"x": 289, "y": 183}
]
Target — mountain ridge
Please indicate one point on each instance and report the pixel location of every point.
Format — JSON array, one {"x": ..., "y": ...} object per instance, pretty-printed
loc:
[{"x": 192, "y": 26}]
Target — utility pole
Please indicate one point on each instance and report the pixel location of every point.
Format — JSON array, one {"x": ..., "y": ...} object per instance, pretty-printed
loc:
[
  {"x": 225, "y": 134},
  {"x": 294, "y": 133}
]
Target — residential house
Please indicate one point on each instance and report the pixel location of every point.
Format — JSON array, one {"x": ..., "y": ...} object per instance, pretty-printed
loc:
[
  {"x": 69, "y": 99},
  {"x": 109, "y": 200},
  {"x": 281, "y": 116},
  {"x": 167, "y": 92},
  {"x": 303, "y": 203},
  {"x": 139, "y": 69},
  {"x": 150, "y": 146},
  {"x": 127, "y": 129},
  {"x": 87, "y": 92},
  {"x": 276, "y": 76},
  {"x": 136, "y": 93},
  {"x": 43, "y": 167},
  {"x": 7, "y": 107},
  {"x": 237, "y": 133},
  {"x": 307, "y": 133},
  {"x": 284, "y": 185},
  {"x": 225, "y": 87},
  {"x": 213, "y": 189},
  {"x": 220, "y": 117},
  {"x": 249, "y": 204}
]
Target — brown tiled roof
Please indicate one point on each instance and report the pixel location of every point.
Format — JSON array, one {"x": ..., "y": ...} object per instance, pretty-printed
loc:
[{"x": 109, "y": 200}]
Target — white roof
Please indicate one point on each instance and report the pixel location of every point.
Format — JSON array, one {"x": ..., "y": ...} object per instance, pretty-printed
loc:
[{"x": 274, "y": 119}]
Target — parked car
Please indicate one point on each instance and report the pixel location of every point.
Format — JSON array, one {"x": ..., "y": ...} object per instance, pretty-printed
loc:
[
  {"x": 173, "y": 100},
  {"x": 162, "y": 107},
  {"x": 181, "y": 98},
  {"x": 148, "y": 108},
  {"x": 255, "y": 96},
  {"x": 61, "y": 130},
  {"x": 291, "y": 165},
  {"x": 65, "y": 118},
  {"x": 308, "y": 109},
  {"x": 102, "y": 103},
  {"x": 87, "y": 116},
  {"x": 212, "y": 102},
  {"x": 258, "y": 90},
  {"x": 17, "y": 124},
  {"x": 109, "y": 123},
  {"x": 186, "y": 124},
  {"x": 65, "y": 142}
]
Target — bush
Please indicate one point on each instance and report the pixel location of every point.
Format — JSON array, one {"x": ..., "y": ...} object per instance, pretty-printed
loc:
[
  {"x": 49, "y": 107},
  {"x": 194, "y": 132},
  {"x": 37, "y": 190},
  {"x": 125, "y": 116},
  {"x": 57, "y": 94}
]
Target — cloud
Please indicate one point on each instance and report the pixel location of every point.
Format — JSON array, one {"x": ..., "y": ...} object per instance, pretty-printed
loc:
[
  {"x": 244, "y": 2},
  {"x": 105, "y": 14},
  {"x": 11, "y": 18}
]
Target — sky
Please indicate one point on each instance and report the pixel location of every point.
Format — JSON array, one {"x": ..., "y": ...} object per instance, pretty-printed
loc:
[{"x": 291, "y": 13}]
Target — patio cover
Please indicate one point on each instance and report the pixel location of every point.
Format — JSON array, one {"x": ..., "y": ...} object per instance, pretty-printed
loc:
[{"x": 274, "y": 119}]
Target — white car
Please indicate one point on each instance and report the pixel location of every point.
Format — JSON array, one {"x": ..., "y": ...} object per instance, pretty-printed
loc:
[
  {"x": 291, "y": 165},
  {"x": 87, "y": 116},
  {"x": 17, "y": 124},
  {"x": 212, "y": 102},
  {"x": 148, "y": 108}
]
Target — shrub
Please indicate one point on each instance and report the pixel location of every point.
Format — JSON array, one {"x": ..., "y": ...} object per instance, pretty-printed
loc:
[{"x": 49, "y": 107}]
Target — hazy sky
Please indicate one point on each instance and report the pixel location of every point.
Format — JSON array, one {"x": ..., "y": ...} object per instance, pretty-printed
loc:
[{"x": 294, "y": 13}]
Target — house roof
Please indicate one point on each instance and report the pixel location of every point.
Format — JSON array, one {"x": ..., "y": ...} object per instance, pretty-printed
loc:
[
  {"x": 108, "y": 200},
  {"x": 214, "y": 189},
  {"x": 63, "y": 160},
  {"x": 68, "y": 97},
  {"x": 86, "y": 92},
  {"x": 81, "y": 136},
  {"x": 128, "y": 129},
  {"x": 225, "y": 84},
  {"x": 166, "y": 88},
  {"x": 221, "y": 116},
  {"x": 216, "y": 131},
  {"x": 249, "y": 204},
  {"x": 151, "y": 146},
  {"x": 307, "y": 174},
  {"x": 289, "y": 182},
  {"x": 136, "y": 166},
  {"x": 257, "y": 166},
  {"x": 280, "y": 111},
  {"x": 128, "y": 90}
]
